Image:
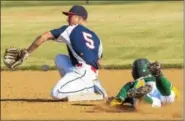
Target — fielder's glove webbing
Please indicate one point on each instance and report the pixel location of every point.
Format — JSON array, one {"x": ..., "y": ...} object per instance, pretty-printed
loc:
[{"x": 14, "y": 57}]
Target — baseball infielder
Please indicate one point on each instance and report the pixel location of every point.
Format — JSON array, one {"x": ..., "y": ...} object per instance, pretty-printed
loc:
[
  {"x": 149, "y": 83},
  {"x": 79, "y": 70}
]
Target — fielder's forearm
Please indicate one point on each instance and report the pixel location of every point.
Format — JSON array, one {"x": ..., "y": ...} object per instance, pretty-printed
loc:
[{"x": 39, "y": 40}]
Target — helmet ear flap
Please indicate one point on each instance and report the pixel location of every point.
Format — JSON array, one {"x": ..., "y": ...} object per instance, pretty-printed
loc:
[
  {"x": 140, "y": 68},
  {"x": 134, "y": 71}
]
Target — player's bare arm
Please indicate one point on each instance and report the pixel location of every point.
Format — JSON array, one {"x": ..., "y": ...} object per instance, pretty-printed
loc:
[
  {"x": 15, "y": 56},
  {"x": 39, "y": 40}
]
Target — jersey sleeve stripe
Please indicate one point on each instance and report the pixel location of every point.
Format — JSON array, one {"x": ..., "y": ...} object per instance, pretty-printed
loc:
[{"x": 65, "y": 36}]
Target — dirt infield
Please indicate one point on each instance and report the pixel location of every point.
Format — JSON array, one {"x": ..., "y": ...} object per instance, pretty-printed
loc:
[{"x": 26, "y": 95}]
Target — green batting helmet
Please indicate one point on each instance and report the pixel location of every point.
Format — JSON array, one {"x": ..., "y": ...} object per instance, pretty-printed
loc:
[{"x": 140, "y": 68}]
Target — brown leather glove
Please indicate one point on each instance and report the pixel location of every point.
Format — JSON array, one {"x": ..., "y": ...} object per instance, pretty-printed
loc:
[
  {"x": 14, "y": 57},
  {"x": 155, "y": 68}
]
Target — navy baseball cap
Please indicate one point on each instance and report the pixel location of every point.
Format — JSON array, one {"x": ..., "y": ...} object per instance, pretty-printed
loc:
[{"x": 77, "y": 10}]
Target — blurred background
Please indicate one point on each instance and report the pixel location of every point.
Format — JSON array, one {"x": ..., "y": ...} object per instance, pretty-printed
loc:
[{"x": 128, "y": 30}]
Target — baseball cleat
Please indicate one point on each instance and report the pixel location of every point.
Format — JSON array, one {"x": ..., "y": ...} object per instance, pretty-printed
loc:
[
  {"x": 113, "y": 102},
  {"x": 139, "y": 92}
]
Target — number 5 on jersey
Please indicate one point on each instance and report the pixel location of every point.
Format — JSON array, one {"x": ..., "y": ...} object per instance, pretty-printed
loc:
[{"x": 88, "y": 38}]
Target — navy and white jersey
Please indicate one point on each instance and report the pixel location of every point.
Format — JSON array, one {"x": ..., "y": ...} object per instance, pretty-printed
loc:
[{"x": 83, "y": 45}]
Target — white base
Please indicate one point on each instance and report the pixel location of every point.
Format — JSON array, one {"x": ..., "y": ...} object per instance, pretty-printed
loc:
[{"x": 85, "y": 97}]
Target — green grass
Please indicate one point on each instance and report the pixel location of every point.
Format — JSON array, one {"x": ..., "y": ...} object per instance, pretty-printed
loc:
[
  {"x": 26, "y": 3},
  {"x": 128, "y": 31},
  {"x": 23, "y": 3}
]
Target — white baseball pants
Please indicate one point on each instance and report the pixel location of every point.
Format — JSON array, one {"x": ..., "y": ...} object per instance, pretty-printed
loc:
[
  {"x": 157, "y": 98},
  {"x": 75, "y": 80}
]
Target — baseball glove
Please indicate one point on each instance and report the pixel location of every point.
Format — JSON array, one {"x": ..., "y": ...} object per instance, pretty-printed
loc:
[
  {"x": 14, "y": 57},
  {"x": 155, "y": 68},
  {"x": 139, "y": 92}
]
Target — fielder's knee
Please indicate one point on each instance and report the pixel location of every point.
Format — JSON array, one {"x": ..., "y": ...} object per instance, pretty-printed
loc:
[{"x": 55, "y": 93}]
